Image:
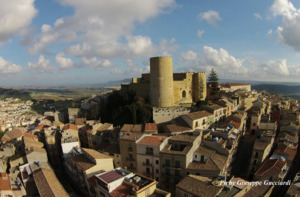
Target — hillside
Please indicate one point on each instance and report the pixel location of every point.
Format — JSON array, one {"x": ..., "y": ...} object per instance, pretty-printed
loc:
[{"x": 7, "y": 93}]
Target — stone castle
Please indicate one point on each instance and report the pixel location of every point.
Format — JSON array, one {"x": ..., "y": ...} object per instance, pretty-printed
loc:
[{"x": 166, "y": 89}]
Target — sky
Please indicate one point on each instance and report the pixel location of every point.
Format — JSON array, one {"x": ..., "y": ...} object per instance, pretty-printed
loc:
[{"x": 73, "y": 42}]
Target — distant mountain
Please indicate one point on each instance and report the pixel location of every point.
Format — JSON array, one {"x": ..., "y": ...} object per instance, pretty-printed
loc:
[
  {"x": 127, "y": 80},
  {"x": 280, "y": 89}
]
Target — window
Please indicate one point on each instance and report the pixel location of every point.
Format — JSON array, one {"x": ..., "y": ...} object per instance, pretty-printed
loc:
[
  {"x": 157, "y": 162},
  {"x": 253, "y": 124},
  {"x": 202, "y": 158},
  {"x": 195, "y": 156},
  {"x": 177, "y": 164},
  {"x": 254, "y": 162},
  {"x": 130, "y": 156},
  {"x": 167, "y": 162},
  {"x": 157, "y": 171},
  {"x": 177, "y": 172},
  {"x": 157, "y": 179},
  {"x": 167, "y": 171},
  {"x": 186, "y": 195},
  {"x": 196, "y": 124},
  {"x": 256, "y": 155}
]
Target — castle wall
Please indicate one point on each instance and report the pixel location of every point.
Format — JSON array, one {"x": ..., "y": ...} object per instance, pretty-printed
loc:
[
  {"x": 141, "y": 89},
  {"x": 161, "y": 115}
]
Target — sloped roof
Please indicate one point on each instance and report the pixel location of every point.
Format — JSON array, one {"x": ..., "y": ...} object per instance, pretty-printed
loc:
[
  {"x": 197, "y": 115},
  {"x": 95, "y": 154},
  {"x": 47, "y": 184},
  {"x": 80, "y": 121},
  {"x": 151, "y": 127},
  {"x": 198, "y": 185},
  {"x": 287, "y": 150},
  {"x": 153, "y": 140},
  {"x": 4, "y": 184},
  {"x": 259, "y": 190},
  {"x": 260, "y": 145},
  {"x": 15, "y": 133},
  {"x": 271, "y": 167},
  {"x": 122, "y": 191}
]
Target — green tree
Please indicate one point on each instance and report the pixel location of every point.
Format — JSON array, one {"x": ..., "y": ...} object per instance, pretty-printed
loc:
[
  {"x": 213, "y": 80},
  {"x": 201, "y": 103}
]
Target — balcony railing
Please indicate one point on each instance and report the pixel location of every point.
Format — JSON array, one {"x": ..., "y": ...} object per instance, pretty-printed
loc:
[
  {"x": 130, "y": 149},
  {"x": 173, "y": 167},
  {"x": 130, "y": 159},
  {"x": 147, "y": 164},
  {"x": 149, "y": 152},
  {"x": 172, "y": 175},
  {"x": 147, "y": 173}
]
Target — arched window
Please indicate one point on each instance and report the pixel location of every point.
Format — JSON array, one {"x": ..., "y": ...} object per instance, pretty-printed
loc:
[{"x": 183, "y": 94}]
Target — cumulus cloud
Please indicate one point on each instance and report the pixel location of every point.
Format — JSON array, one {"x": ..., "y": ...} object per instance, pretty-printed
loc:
[
  {"x": 14, "y": 17},
  {"x": 288, "y": 31},
  {"x": 64, "y": 63},
  {"x": 130, "y": 63},
  {"x": 270, "y": 33},
  {"x": 200, "y": 33},
  {"x": 188, "y": 56},
  {"x": 42, "y": 66},
  {"x": 166, "y": 45},
  {"x": 270, "y": 69},
  {"x": 94, "y": 63},
  {"x": 211, "y": 17},
  {"x": 220, "y": 60},
  {"x": 7, "y": 67},
  {"x": 257, "y": 15},
  {"x": 116, "y": 72},
  {"x": 97, "y": 28}
]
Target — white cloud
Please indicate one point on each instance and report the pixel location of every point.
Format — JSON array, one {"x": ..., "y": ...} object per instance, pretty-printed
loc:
[
  {"x": 42, "y": 66},
  {"x": 116, "y": 72},
  {"x": 221, "y": 60},
  {"x": 14, "y": 17},
  {"x": 282, "y": 7},
  {"x": 94, "y": 63},
  {"x": 211, "y": 17},
  {"x": 166, "y": 45},
  {"x": 271, "y": 69},
  {"x": 130, "y": 63},
  {"x": 188, "y": 56},
  {"x": 270, "y": 33},
  {"x": 167, "y": 54},
  {"x": 7, "y": 67},
  {"x": 97, "y": 28},
  {"x": 257, "y": 15},
  {"x": 200, "y": 33},
  {"x": 288, "y": 31},
  {"x": 64, "y": 63}
]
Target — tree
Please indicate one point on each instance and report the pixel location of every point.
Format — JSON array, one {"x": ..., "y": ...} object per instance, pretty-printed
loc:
[{"x": 213, "y": 80}]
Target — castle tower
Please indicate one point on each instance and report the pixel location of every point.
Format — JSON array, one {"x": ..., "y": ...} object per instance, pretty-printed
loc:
[{"x": 161, "y": 81}]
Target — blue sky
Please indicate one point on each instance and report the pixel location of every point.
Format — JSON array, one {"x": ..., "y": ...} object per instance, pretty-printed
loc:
[{"x": 64, "y": 42}]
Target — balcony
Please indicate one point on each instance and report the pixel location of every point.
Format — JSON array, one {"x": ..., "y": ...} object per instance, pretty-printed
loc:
[
  {"x": 131, "y": 168},
  {"x": 149, "y": 153},
  {"x": 172, "y": 167},
  {"x": 147, "y": 164},
  {"x": 130, "y": 159},
  {"x": 130, "y": 149},
  {"x": 172, "y": 175},
  {"x": 147, "y": 174}
]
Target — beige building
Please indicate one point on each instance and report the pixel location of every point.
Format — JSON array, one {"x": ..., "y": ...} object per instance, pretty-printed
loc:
[
  {"x": 128, "y": 150},
  {"x": 175, "y": 158},
  {"x": 88, "y": 163},
  {"x": 218, "y": 111},
  {"x": 119, "y": 182},
  {"x": 165, "y": 89},
  {"x": 114, "y": 151},
  {"x": 198, "y": 120},
  {"x": 148, "y": 161},
  {"x": 260, "y": 152}
]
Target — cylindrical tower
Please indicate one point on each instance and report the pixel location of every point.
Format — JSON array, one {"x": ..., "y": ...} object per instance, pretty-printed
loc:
[{"x": 161, "y": 81}]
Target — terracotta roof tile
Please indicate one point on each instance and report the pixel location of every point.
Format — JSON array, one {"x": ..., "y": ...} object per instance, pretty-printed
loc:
[
  {"x": 271, "y": 167},
  {"x": 4, "y": 182},
  {"x": 133, "y": 136},
  {"x": 95, "y": 154},
  {"x": 30, "y": 135},
  {"x": 198, "y": 115},
  {"x": 83, "y": 162},
  {"x": 151, "y": 127},
  {"x": 183, "y": 138},
  {"x": 40, "y": 127},
  {"x": 137, "y": 128},
  {"x": 122, "y": 191},
  {"x": 15, "y": 133},
  {"x": 105, "y": 127},
  {"x": 259, "y": 190},
  {"x": 232, "y": 122},
  {"x": 48, "y": 184},
  {"x": 199, "y": 185},
  {"x": 110, "y": 176},
  {"x": 127, "y": 128},
  {"x": 260, "y": 145},
  {"x": 289, "y": 151},
  {"x": 153, "y": 140}
]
